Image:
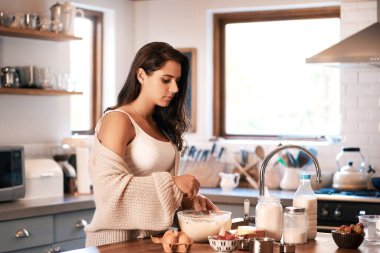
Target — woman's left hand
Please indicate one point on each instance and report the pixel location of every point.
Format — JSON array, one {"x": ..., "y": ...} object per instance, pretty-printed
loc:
[{"x": 200, "y": 203}]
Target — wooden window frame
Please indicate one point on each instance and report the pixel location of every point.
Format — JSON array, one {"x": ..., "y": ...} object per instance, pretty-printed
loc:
[
  {"x": 97, "y": 67},
  {"x": 220, "y": 20}
]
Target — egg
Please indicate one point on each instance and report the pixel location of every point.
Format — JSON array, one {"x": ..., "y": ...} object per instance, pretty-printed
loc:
[
  {"x": 183, "y": 238},
  {"x": 170, "y": 237}
]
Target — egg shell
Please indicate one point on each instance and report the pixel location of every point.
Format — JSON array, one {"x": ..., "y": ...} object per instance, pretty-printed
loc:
[{"x": 184, "y": 238}]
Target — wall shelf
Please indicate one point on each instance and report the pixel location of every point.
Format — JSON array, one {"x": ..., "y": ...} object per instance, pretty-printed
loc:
[
  {"x": 37, "y": 92},
  {"x": 35, "y": 34}
]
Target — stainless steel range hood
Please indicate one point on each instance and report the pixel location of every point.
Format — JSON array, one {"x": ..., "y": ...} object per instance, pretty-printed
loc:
[{"x": 362, "y": 47}]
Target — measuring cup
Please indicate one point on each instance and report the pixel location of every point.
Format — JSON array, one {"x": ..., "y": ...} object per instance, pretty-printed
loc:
[{"x": 371, "y": 228}]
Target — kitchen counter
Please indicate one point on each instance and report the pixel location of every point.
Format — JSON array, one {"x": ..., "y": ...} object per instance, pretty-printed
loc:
[
  {"x": 67, "y": 203},
  {"x": 238, "y": 195},
  {"x": 323, "y": 243},
  {"x": 46, "y": 206}
]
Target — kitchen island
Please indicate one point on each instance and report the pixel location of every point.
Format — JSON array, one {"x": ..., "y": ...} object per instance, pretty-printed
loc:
[
  {"x": 323, "y": 244},
  {"x": 61, "y": 214}
]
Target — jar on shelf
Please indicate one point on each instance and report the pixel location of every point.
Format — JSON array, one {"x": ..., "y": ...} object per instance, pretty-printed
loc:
[{"x": 295, "y": 225}]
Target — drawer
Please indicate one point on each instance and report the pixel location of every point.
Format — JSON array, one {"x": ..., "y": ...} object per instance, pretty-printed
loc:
[
  {"x": 68, "y": 226},
  {"x": 41, "y": 249},
  {"x": 70, "y": 245},
  {"x": 39, "y": 229}
]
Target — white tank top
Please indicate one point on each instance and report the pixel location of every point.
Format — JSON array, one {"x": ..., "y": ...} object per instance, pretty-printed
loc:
[{"x": 145, "y": 154}]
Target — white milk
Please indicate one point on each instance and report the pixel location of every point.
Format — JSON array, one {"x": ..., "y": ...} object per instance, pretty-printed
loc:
[
  {"x": 269, "y": 217},
  {"x": 308, "y": 202},
  {"x": 310, "y": 205},
  {"x": 295, "y": 236},
  {"x": 311, "y": 232}
]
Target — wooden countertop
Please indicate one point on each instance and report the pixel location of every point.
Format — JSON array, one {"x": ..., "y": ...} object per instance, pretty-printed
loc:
[{"x": 323, "y": 244}]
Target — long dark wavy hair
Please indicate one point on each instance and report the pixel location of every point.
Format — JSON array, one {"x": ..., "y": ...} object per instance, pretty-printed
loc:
[{"x": 172, "y": 120}]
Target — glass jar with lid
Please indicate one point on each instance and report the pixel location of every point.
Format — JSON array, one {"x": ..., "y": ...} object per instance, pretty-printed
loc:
[
  {"x": 269, "y": 214},
  {"x": 295, "y": 225}
]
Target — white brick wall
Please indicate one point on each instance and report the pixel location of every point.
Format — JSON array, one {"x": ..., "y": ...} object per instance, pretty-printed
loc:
[{"x": 360, "y": 89}]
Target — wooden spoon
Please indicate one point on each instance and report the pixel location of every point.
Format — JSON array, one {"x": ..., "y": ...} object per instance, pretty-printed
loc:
[
  {"x": 247, "y": 176},
  {"x": 260, "y": 152}
]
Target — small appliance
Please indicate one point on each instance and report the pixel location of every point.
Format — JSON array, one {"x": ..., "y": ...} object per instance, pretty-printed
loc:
[
  {"x": 43, "y": 179},
  {"x": 81, "y": 146},
  {"x": 12, "y": 173},
  {"x": 66, "y": 158}
]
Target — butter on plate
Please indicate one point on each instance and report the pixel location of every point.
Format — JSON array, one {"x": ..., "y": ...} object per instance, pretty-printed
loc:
[{"x": 250, "y": 232}]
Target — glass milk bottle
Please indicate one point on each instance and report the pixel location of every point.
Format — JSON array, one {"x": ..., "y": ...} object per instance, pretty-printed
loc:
[
  {"x": 269, "y": 216},
  {"x": 306, "y": 198},
  {"x": 294, "y": 225}
]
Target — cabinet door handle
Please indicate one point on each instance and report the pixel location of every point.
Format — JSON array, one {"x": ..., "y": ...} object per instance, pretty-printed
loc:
[
  {"x": 81, "y": 223},
  {"x": 22, "y": 233},
  {"x": 55, "y": 250}
]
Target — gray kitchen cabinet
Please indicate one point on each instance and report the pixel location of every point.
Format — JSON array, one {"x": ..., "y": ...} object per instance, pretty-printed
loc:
[
  {"x": 69, "y": 229},
  {"x": 41, "y": 249},
  {"x": 69, "y": 245},
  {"x": 26, "y": 233},
  {"x": 45, "y": 234}
]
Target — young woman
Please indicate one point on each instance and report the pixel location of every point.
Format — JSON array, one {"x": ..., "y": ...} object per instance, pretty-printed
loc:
[{"x": 135, "y": 157}]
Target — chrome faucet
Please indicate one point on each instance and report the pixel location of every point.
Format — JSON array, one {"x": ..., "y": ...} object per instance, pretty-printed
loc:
[{"x": 264, "y": 164}]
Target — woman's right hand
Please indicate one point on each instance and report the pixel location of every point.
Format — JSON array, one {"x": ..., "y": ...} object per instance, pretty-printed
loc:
[{"x": 188, "y": 184}]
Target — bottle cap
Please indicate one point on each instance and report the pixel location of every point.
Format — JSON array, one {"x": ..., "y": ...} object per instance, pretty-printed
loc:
[{"x": 305, "y": 176}]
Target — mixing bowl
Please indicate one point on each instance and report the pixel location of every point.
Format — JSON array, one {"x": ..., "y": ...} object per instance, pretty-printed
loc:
[{"x": 199, "y": 225}]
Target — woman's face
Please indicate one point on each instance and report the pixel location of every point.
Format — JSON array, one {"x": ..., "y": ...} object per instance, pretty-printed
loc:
[{"x": 160, "y": 86}]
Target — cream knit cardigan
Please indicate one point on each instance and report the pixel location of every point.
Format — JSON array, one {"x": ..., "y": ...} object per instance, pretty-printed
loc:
[{"x": 128, "y": 207}]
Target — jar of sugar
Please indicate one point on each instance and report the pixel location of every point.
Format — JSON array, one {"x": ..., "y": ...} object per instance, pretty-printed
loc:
[
  {"x": 269, "y": 216},
  {"x": 295, "y": 225}
]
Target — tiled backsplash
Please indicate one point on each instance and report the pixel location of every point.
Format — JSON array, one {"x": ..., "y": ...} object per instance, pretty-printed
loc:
[
  {"x": 360, "y": 88},
  {"x": 39, "y": 150}
]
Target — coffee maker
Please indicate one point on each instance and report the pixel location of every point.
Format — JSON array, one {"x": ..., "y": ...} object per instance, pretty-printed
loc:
[
  {"x": 80, "y": 146},
  {"x": 65, "y": 157}
]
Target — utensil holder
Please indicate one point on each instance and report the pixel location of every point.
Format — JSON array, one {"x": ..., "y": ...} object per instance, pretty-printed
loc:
[{"x": 206, "y": 172}]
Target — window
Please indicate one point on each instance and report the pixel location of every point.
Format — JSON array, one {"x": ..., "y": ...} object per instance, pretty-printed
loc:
[
  {"x": 86, "y": 70},
  {"x": 262, "y": 85}
]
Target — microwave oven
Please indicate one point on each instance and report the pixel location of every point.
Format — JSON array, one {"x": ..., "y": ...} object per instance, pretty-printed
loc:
[{"x": 12, "y": 173}]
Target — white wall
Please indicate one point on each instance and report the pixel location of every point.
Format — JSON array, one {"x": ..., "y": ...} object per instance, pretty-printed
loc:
[
  {"x": 188, "y": 23},
  {"x": 42, "y": 119},
  {"x": 182, "y": 23}
]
